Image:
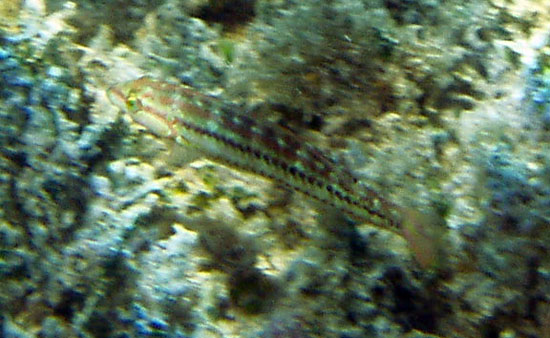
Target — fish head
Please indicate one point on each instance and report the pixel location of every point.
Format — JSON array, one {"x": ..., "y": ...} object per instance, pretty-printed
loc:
[
  {"x": 133, "y": 98},
  {"x": 124, "y": 96}
]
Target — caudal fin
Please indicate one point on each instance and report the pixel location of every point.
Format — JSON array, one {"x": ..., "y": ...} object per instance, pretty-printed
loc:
[{"x": 424, "y": 232}]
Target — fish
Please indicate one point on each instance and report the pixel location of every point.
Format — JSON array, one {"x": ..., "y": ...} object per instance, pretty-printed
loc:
[{"x": 219, "y": 131}]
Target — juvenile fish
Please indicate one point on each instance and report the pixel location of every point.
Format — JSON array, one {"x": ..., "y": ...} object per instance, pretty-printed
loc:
[{"x": 216, "y": 130}]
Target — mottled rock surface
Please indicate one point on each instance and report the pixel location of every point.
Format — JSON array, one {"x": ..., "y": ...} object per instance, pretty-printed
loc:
[{"x": 439, "y": 105}]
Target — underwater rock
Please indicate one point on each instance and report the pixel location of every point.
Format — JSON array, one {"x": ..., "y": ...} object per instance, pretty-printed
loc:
[{"x": 104, "y": 234}]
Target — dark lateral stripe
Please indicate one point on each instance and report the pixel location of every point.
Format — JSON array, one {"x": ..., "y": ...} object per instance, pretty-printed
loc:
[{"x": 336, "y": 191}]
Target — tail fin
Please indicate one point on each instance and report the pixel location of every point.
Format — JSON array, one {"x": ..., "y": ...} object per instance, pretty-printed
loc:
[{"x": 424, "y": 232}]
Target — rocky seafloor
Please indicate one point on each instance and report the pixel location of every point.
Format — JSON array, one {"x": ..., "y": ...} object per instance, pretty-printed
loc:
[{"x": 440, "y": 105}]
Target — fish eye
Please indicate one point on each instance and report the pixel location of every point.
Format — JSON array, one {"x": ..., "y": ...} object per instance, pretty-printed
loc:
[{"x": 132, "y": 103}]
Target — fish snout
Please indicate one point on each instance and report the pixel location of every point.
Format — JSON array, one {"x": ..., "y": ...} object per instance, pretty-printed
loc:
[{"x": 117, "y": 97}]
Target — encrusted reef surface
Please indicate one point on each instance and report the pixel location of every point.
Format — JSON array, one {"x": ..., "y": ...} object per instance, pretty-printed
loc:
[{"x": 442, "y": 106}]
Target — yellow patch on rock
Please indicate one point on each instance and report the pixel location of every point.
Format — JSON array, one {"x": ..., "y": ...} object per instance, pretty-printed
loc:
[{"x": 9, "y": 13}]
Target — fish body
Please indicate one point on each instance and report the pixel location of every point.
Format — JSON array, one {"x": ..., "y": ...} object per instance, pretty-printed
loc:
[{"x": 219, "y": 132}]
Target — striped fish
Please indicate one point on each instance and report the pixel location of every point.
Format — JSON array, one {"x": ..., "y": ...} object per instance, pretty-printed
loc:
[{"x": 216, "y": 130}]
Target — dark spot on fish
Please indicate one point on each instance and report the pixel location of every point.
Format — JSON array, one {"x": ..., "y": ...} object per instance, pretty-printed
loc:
[
  {"x": 293, "y": 170},
  {"x": 316, "y": 122}
]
